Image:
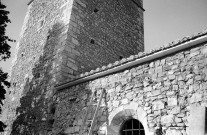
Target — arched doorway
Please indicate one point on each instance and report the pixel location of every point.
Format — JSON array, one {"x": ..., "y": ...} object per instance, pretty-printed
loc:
[{"x": 132, "y": 127}]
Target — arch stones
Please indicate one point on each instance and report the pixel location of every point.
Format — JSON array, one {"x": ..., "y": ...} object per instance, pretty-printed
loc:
[{"x": 124, "y": 112}]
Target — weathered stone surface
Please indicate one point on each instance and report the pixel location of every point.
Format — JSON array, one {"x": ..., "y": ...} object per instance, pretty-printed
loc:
[
  {"x": 148, "y": 89},
  {"x": 116, "y": 103},
  {"x": 172, "y": 101},
  {"x": 171, "y": 77},
  {"x": 70, "y": 130},
  {"x": 196, "y": 98},
  {"x": 167, "y": 119},
  {"x": 194, "y": 53},
  {"x": 155, "y": 92},
  {"x": 173, "y": 132},
  {"x": 158, "y": 105},
  {"x": 125, "y": 101},
  {"x": 118, "y": 88},
  {"x": 178, "y": 120},
  {"x": 61, "y": 39},
  {"x": 197, "y": 120},
  {"x": 129, "y": 95},
  {"x": 91, "y": 35},
  {"x": 175, "y": 110}
]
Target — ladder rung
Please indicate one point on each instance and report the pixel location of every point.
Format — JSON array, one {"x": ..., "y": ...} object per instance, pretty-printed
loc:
[
  {"x": 100, "y": 105},
  {"x": 93, "y": 120}
]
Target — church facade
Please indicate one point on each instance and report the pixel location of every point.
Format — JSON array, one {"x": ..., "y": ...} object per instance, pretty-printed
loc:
[{"x": 80, "y": 68}]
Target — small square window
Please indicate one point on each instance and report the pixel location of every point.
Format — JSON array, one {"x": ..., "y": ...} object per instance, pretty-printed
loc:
[
  {"x": 95, "y": 10},
  {"x": 92, "y": 41}
]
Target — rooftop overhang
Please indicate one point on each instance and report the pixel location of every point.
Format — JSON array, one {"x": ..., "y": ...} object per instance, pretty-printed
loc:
[{"x": 193, "y": 41}]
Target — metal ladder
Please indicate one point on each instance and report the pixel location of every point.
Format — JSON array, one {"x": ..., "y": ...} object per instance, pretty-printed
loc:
[{"x": 95, "y": 114}]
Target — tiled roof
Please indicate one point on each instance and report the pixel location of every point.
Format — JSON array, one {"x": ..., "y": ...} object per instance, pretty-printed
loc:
[{"x": 143, "y": 54}]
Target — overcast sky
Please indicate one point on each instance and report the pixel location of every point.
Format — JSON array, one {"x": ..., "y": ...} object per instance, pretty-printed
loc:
[{"x": 164, "y": 21}]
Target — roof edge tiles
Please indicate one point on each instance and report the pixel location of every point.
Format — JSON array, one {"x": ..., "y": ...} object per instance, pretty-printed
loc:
[{"x": 140, "y": 58}]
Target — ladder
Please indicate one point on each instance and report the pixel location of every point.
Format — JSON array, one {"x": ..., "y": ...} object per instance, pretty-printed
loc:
[{"x": 95, "y": 114}]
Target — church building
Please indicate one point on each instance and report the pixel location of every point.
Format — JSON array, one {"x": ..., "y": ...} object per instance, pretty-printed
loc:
[{"x": 81, "y": 69}]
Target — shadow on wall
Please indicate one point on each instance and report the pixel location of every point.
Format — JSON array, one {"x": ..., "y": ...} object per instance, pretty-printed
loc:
[
  {"x": 101, "y": 120},
  {"x": 73, "y": 109},
  {"x": 35, "y": 114}
]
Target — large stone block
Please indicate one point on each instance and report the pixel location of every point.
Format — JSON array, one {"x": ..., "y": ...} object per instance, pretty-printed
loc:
[
  {"x": 168, "y": 119},
  {"x": 129, "y": 95},
  {"x": 172, "y": 101},
  {"x": 149, "y": 88},
  {"x": 116, "y": 103},
  {"x": 173, "y": 132},
  {"x": 158, "y": 105},
  {"x": 70, "y": 130},
  {"x": 196, "y": 97},
  {"x": 197, "y": 120},
  {"x": 125, "y": 101}
]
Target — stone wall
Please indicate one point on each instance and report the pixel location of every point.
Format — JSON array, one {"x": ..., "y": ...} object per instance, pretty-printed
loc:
[
  {"x": 59, "y": 40},
  {"x": 100, "y": 32},
  {"x": 159, "y": 93},
  {"x": 105, "y": 31},
  {"x": 35, "y": 67},
  {"x": 62, "y": 38}
]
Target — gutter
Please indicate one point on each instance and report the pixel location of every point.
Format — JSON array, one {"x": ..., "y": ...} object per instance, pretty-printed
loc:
[{"x": 138, "y": 61}]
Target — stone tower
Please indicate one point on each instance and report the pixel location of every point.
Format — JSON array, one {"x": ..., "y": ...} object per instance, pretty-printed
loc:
[{"x": 59, "y": 40}]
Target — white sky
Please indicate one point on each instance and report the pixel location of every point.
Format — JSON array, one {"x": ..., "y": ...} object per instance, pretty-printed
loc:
[{"x": 164, "y": 21}]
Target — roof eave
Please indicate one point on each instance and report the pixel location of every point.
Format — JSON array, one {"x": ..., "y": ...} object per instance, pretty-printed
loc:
[{"x": 127, "y": 65}]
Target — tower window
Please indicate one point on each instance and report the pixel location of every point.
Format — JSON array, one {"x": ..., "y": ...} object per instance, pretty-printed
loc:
[
  {"x": 120, "y": 57},
  {"x": 132, "y": 127},
  {"x": 51, "y": 122},
  {"x": 92, "y": 41},
  {"x": 95, "y": 10},
  {"x": 52, "y": 109},
  {"x": 41, "y": 23}
]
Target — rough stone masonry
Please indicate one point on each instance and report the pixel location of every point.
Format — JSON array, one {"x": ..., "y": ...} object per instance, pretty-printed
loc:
[
  {"x": 166, "y": 93},
  {"x": 61, "y": 39},
  {"x": 62, "y": 51}
]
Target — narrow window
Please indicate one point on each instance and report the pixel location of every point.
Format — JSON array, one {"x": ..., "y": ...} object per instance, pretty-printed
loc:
[
  {"x": 132, "y": 127},
  {"x": 92, "y": 41},
  {"x": 14, "y": 84},
  {"x": 51, "y": 122},
  {"x": 48, "y": 37},
  {"x": 120, "y": 57},
  {"x": 52, "y": 109},
  {"x": 41, "y": 23},
  {"x": 95, "y": 10}
]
